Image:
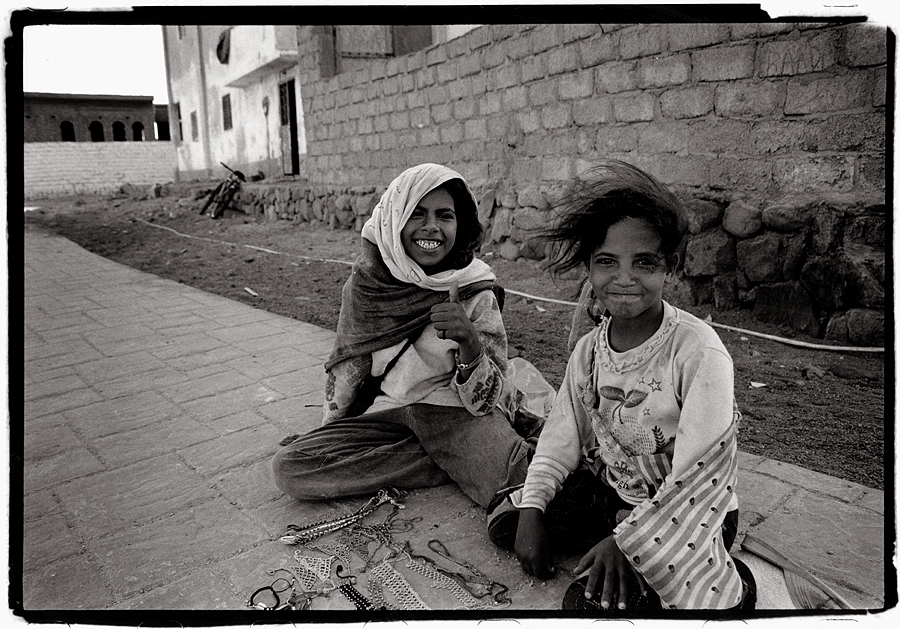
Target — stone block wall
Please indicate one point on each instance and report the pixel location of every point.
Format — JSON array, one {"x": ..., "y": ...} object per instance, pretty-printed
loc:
[
  {"x": 750, "y": 109},
  {"x": 62, "y": 168},
  {"x": 774, "y": 135}
]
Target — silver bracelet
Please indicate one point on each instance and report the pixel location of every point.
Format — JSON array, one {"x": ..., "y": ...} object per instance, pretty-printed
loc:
[{"x": 471, "y": 363}]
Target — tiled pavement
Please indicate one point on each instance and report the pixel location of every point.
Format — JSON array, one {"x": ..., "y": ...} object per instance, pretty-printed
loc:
[{"x": 152, "y": 410}]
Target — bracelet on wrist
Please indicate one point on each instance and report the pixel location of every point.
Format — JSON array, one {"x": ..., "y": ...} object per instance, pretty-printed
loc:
[{"x": 472, "y": 363}]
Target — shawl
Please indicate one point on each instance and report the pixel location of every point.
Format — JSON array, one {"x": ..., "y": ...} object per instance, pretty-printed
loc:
[
  {"x": 675, "y": 540},
  {"x": 377, "y": 311},
  {"x": 388, "y": 296}
]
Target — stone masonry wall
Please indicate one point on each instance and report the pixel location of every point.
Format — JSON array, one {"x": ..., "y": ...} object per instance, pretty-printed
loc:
[
  {"x": 773, "y": 135},
  {"x": 61, "y": 168}
]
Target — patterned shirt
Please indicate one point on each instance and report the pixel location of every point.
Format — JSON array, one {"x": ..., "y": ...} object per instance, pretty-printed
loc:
[{"x": 644, "y": 413}]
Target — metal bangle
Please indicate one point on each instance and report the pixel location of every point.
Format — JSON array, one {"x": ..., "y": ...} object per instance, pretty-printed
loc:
[{"x": 471, "y": 363}]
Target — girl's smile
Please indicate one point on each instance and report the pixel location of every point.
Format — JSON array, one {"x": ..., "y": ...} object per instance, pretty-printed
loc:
[
  {"x": 430, "y": 233},
  {"x": 628, "y": 273}
]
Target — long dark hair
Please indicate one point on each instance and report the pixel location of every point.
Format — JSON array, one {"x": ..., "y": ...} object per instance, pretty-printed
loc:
[
  {"x": 469, "y": 231},
  {"x": 609, "y": 192}
]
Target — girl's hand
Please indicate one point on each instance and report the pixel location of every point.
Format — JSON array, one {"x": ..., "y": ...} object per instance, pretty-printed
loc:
[
  {"x": 610, "y": 569},
  {"x": 532, "y": 548},
  {"x": 451, "y": 322}
]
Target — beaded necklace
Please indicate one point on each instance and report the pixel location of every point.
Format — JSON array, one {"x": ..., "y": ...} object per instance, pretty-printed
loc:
[{"x": 305, "y": 534}]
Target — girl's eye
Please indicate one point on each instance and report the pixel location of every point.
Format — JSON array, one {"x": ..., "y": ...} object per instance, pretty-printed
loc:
[
  {"x": 604, "y": 261},
  {"x": 447, "y": 216}
]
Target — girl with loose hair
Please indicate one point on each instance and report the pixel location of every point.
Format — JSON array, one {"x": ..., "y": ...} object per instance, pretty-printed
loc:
[{"x": 636, "y": 466}]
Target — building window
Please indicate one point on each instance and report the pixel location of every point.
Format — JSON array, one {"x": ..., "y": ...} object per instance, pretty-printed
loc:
[
  {"x": 137, "y": 130},
  {"x": 68, "y": 131},
  {"x": 354, "y": 46},
  {"x": 194, "y": 131},
  {"x": 96, "y": 129},
  {"x": 118, "y": 131},
  {"x": 178, "y": 121},
  {"x": 223, "y": 48},
  {"x": 226, "y": 112},
  {"x": 162, "y": 130}
]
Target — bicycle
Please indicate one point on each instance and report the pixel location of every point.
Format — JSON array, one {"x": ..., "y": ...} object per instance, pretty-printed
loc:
[{"x": 224, "y": 193}]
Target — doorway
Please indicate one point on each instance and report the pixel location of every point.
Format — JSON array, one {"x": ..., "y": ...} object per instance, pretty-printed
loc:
[{"x": 290, "y": 146}]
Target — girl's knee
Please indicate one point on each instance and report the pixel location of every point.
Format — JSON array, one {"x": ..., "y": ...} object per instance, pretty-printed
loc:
[
  {"x": 280, "y": 466},
  {"x": 288, "y": 470}
]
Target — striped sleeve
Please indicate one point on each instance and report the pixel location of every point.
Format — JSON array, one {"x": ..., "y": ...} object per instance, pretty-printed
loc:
[{"x": 675, "y": 538}]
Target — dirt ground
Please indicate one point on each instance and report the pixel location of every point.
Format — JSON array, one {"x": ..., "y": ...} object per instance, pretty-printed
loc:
[{"x": 823, "y": 410}]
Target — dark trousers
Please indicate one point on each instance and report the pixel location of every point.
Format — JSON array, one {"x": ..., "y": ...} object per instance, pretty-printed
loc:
[{"x": 583, "y": 513}]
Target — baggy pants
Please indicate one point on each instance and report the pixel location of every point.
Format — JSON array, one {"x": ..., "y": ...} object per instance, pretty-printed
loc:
[{"x": 419, "y": 445}]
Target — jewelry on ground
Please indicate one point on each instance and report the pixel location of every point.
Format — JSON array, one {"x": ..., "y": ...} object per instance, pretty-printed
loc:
[
  {"x": 399, "y": 587},
  {"x": 300, "y": 601},
  {"x": 437, "y": 547},
  {"x": 267, "y": 597},
  {"x": 339, "y": 550},
  {"x": 443, "y": 582},
  {"x": 355, "y": 596},
  {"x": 361, "y": 535},
  {"x": 303, "y": 534},
  {"x": 469, "y": 586},
  {"x": 475, "y": 581},
  {"x": 376, "y": 594},
  {"x": 321, "y": 566}
]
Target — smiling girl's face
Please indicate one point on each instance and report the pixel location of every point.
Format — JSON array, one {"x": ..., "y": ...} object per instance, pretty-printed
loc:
[
  {"x": 430, "y": 233},
  {"x": 628, "y": 273}
]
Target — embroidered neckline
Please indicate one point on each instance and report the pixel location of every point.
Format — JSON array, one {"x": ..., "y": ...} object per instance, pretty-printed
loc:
[{"x": 619, "y": 362}]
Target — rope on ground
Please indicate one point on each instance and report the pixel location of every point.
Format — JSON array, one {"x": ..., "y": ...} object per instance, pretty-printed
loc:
[
  {"x": 771, "y": 337},
  {"x": 234, "y": 244}
]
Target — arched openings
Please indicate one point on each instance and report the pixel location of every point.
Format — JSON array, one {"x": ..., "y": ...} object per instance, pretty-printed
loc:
[
  {"x": 96, "y": 129},
  {"x": 118, "y": 131},
  {"x": 67, "y": 129},
  {"x": 137, "y": 130}
]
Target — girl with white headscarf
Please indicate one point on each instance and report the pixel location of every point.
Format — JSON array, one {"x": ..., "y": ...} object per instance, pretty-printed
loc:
[{"x": 420, "y": 317}]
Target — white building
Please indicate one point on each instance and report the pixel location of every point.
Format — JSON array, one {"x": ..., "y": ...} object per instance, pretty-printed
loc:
[{"x": 235, "y": 91}]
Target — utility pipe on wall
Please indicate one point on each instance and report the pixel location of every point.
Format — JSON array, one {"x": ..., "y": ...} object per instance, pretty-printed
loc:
[{"x": 204, "y": 109}]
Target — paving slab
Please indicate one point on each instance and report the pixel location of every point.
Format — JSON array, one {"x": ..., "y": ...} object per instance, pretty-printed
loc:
[
  {"x": 152, "y": 411},
  {"x": 132, "y": 495}
]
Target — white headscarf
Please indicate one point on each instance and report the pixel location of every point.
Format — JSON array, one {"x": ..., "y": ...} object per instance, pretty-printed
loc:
[{"x": 390, "y": 216}]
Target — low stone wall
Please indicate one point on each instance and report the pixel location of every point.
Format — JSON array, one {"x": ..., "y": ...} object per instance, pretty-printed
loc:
[
  {"x": 334, "y": 208},
  {"x": 814, "y": 263}
]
